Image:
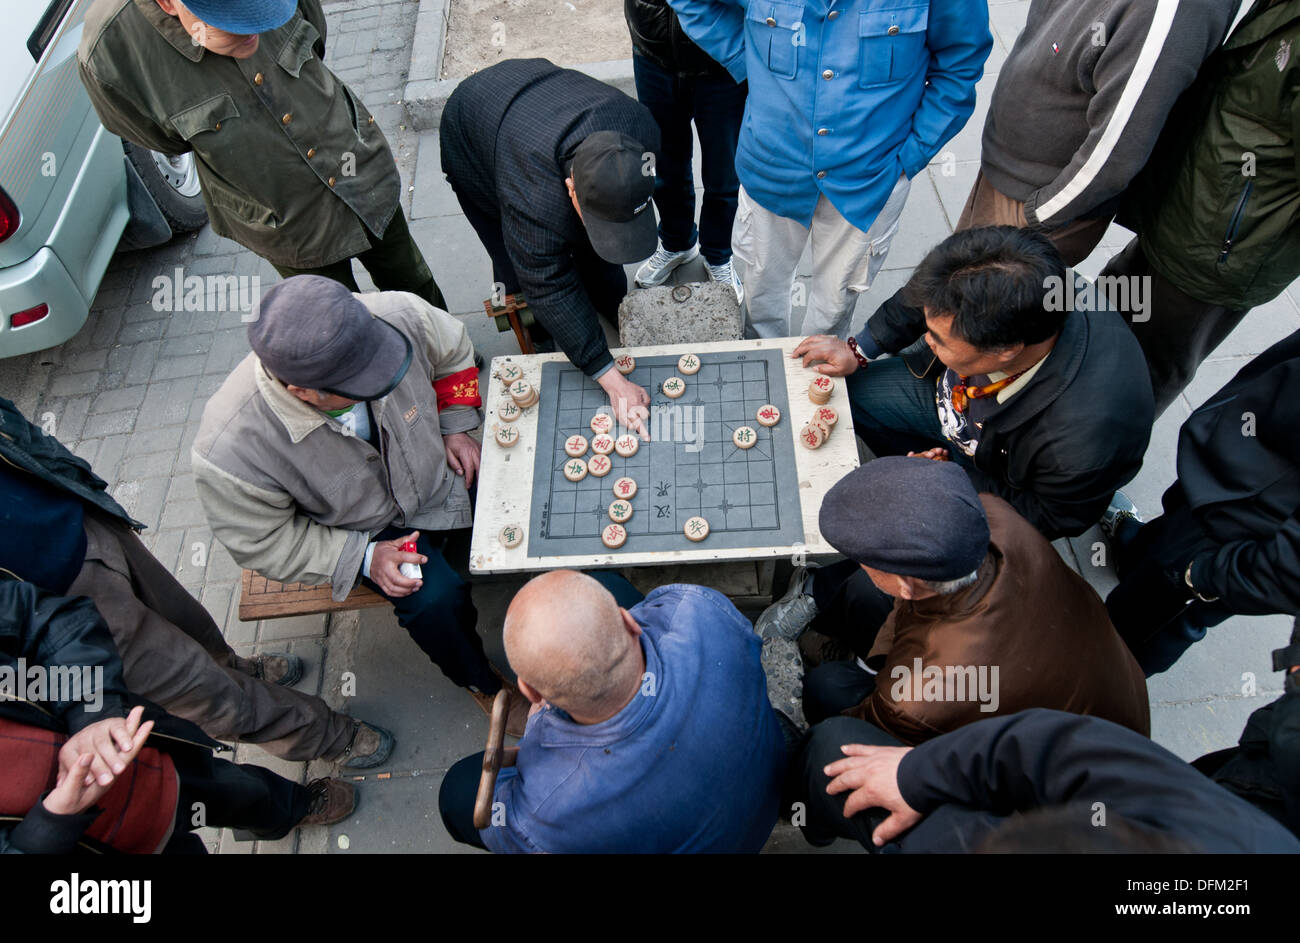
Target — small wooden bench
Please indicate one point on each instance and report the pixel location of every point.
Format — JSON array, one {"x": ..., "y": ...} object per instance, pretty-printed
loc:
[
  {"x": 260, "y": 598},
  {"x": 513, "y": 315}
]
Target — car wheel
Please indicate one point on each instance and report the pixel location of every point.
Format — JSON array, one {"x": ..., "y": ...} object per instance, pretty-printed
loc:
[{"x": 173, "y": 182}]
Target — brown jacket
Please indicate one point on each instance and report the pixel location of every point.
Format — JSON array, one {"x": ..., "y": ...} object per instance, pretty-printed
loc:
[{"x": 1030, "y": 633}]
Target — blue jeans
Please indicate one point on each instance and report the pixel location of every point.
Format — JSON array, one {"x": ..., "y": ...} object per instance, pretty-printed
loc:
[
  {"x": 894, "y": 411},
  {"x": 717, "y": 105},
  {"x": 441, "y": 618}
]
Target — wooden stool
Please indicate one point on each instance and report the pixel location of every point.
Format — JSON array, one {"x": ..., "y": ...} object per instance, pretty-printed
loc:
[
  {"x": 260, "y": 598},
  {"x": 516, "y": 316}
]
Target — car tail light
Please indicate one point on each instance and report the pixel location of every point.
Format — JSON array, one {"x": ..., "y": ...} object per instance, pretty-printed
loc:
[
  {"x": 30, "y": 316},
  {"x": 9, "y": 218}
]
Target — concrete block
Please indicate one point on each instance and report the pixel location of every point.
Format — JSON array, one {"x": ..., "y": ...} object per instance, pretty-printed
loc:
[{"x": 685, "y": 314}]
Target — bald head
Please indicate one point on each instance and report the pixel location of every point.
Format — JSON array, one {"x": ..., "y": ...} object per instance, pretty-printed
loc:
[{"x": 568, "y": 639}]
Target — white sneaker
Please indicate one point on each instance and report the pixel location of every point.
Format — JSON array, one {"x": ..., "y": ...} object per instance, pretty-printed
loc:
[
  {"x": 656, "y": 269},
  {"x": 727, "y": 275}
]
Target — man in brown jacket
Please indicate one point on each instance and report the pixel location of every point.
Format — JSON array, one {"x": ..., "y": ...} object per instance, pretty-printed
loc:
[{"x": 987, "y": 618}]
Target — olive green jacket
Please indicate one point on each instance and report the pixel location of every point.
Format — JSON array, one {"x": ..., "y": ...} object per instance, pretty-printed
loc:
[
  {"x": 292, "y": 165},
  {"x": 1218, "y": 205}
]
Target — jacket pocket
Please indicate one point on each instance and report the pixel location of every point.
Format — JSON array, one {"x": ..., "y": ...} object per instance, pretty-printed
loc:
[
  {"x": 891, "y": 43},
  {"x": 205, "y": 116},
  {"x": 1234, "y": 223},
  {"x": 238, "y": 205},
  {"x": 297, "y": 49},
  {"x": 776, "y": 30}
]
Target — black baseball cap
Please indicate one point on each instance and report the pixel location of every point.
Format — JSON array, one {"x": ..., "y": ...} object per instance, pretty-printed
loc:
[{"x": 614, "y": 177}]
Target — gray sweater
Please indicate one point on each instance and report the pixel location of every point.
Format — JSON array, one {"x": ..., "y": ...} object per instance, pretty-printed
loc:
[{"x": 1084, "y": 94}]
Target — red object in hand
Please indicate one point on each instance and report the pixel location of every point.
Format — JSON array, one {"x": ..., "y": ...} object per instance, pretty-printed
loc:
[{"x": 411, "y": 571}]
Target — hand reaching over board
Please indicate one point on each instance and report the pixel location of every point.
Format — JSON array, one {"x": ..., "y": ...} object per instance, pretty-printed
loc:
[{"x": 631, "y": 403}]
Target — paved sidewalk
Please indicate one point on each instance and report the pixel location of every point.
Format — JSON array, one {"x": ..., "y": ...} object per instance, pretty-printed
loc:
[{"x": 127, "y": 392}]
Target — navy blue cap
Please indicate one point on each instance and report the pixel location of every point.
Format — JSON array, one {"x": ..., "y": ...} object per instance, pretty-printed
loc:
[{"x": 908, "y": 516}]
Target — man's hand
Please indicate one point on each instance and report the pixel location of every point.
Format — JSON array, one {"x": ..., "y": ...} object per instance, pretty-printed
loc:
[
  {"x": 934, "y": 455},
  {"x": 631, "y": 402},
  {"x": 109, "y": 743},
  {"x": 78, "y": 787},
  {"x": 872, "y": 775},
  {"x": 834, "y": 355},
  {"x": 386, "y": 559},
  {"x": 464, "y": 456}
]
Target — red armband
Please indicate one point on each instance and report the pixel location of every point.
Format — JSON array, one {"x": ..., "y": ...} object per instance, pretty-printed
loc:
[{"x": 459, "y": 389}]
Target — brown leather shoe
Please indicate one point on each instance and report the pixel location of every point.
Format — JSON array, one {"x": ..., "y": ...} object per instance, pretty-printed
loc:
[
  {"x": 332, "y": 800},
  {"x": 274, "y": 667},
  {"x": 818, "y": 649},
  {"x": 517, "y": 717}
]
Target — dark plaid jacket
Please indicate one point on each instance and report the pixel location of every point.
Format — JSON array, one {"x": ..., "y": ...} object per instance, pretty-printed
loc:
[{"x": 507, "y": 138}]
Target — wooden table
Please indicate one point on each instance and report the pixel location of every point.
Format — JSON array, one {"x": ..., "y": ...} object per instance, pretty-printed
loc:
[{"x": 505, "y": 486}]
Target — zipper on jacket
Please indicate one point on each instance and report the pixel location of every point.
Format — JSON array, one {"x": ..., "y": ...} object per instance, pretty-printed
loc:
[{"x": 1235, "y": 222}]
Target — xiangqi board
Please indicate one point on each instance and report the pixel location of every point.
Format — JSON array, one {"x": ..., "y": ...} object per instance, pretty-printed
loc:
[{"x": 689, "y": 467}]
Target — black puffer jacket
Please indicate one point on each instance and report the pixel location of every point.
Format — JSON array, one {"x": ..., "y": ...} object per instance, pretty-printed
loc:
[{"x": 657, "y": 35}]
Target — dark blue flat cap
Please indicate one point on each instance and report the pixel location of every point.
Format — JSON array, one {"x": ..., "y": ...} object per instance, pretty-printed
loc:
[{"x": 907, "y": 516}]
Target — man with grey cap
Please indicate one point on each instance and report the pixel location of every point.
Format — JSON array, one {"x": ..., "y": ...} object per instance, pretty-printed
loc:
[
  {"x": 340, "y": 438},
  {"x": 555, "y": 170},
  {"x": 957, "y": 609}
]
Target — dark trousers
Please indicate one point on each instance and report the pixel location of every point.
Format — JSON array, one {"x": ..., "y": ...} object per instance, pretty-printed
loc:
[
  {"x": 221, "y": 794},
  {"x": 604, "y": 282},
  {"x": 459, "y": 786},
  {"x": 393, "y": 260},
  {"x": 717, "y": 106},
  {"x": 849, "y": 606},
  {"x": 441, "y": 618},
  {"x": 1150, "y": 607},
  {"x": 825, "y": 813},
  {"x": 894, "y": 410},
  {"x": 1179, "y": 331}
]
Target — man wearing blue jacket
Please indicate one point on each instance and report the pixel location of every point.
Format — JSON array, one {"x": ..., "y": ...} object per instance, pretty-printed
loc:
[
  {"x": 848, "y": 101},
  {"x": 651, "y": 730}
]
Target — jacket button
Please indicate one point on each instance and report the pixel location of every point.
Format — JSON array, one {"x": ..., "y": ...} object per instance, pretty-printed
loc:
[
  {"x": 311, "y": 152},
  {"x": 331, "y": 181},
  {"x": 821, "y": 174},
  {"x": 823, "y": 131},
  {"x": 370, "y": 120},
  {"x": 286, "y": 119},
  {"x": 372, "y": 458},
  {"x": 770, "y": 21},
  {"x": 258, "y": 79},
  {"x": 828, "y": 75},
  {"x": 833, "y": 14},
  {"x": 893, "y": 31},
  {"x": 217, "y": 126}
]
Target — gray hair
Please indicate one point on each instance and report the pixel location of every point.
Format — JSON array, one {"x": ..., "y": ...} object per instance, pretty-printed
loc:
[{"x": 948, "y": 587}]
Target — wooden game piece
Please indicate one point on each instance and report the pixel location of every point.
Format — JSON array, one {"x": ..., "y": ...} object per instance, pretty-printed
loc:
[
  {"x": 827, "y": 414},
  {"x": 506, "y": 436},
  {"x": 602, "y": 444},
  {"x": 688, "y": 365},
  {"x": 575, "y": 469},
  {"x": 601, "y": 422},
  {"x": 510, "y": 374},
  {"x": 512, "y": 535},
  {"x": 613, "y": 536},
  {"x": 620, "y": 512},
  {"x": 575, "y": 446},
  {"x": 820, "y": 389},
  {"x": 811, "y": 437},
  {"x": 625, "y": 488},
  {"x": 599, "y": 465},
  {"x": 768, "y": 415},
  {"x": 625, "y": 364},
  {"x": 522, "y": 392},
  {"x": 824, "y": 429},
  {"x": 745, "y": 437},
  {"x": 696, "y": 529},
  {"x": 509, "y": 411},
  {"x": 674, "y": 387},
  {"x": 626, "y": 445}
]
